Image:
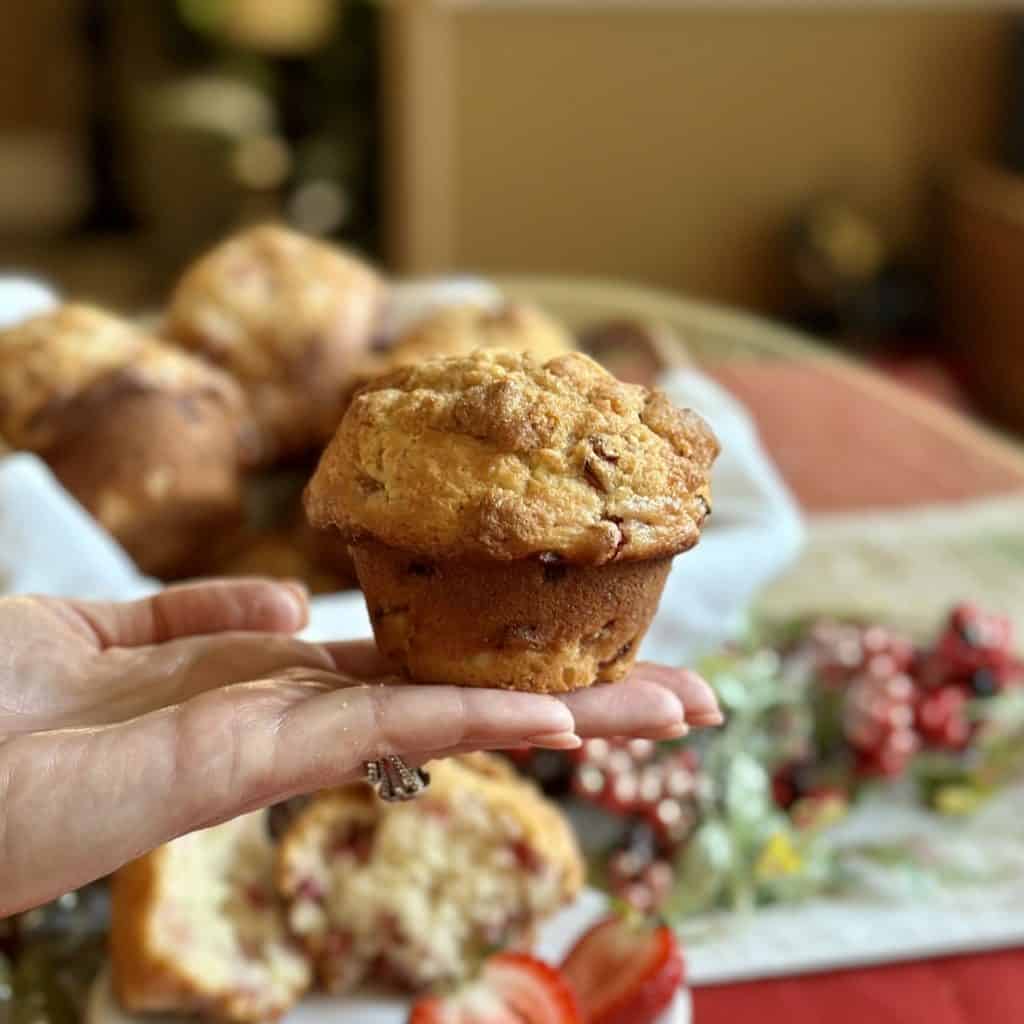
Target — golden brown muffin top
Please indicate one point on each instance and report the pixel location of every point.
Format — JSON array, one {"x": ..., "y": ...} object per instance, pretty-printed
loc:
[
  {"x": 496, "y": 455},
  {"x": 461, "y": 330},
  {"x": 51, "y": 360},
  {"x": 268, "y": 296}
]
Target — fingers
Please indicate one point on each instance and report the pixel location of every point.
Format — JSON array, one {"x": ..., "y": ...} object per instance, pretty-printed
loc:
[
  {"x": 362, "y": 659},
  {"x": 653, "y": 703},
  {"x": 698, "y": 699},
  {"x": 641, "y": 709},
  {"x": 128, "y": 683},
  {"x": 76, "y": 804},
  {"x": 401, "y": 719},
  {"x": 194, "y": 609}
]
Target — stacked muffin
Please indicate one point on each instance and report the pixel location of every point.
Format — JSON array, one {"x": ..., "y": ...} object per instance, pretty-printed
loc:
[{"x": 143, "y": 435}]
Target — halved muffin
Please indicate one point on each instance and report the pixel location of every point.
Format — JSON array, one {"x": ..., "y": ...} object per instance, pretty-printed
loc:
[
  {"x": 416, "y": 893},
  {"x": 197, "y": 927}
]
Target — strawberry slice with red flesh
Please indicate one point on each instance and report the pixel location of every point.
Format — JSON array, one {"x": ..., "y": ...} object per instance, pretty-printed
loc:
[
  {"x": 625, "y": 972},
  {"x": 512, "y": 988}
]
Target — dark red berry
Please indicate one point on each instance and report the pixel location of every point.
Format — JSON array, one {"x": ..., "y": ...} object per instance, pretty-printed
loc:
[
  {"x": 942, "y": 718},
  {"x": 975, "y": 639},
  {"x": 791, "y": 782}
]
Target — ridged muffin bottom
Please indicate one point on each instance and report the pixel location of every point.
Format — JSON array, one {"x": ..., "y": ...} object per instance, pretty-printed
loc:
[{"x": 530, "y": 624}]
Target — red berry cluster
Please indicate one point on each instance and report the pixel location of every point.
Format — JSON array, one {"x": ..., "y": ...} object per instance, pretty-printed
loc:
[
  {"x": 658, "y": 792},
  {"x": 972, "y": 659},
  {"x": 869, "y": 669},
  {"x": 896, "y": 700}
]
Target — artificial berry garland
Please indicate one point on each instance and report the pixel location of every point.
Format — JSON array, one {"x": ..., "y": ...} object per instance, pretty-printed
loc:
[{"x": 740, "y": 816}]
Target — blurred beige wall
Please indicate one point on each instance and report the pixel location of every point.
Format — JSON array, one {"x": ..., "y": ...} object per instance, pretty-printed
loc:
[
  {"x": 43, "y": 184},
  {"x": 669, "y": 144}
]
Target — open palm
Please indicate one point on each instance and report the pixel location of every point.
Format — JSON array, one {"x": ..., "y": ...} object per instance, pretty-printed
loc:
[{"x": 125, "y": 725}]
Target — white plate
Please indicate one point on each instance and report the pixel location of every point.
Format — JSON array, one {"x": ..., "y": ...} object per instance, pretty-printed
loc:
[{"x": 556, "y": 939}]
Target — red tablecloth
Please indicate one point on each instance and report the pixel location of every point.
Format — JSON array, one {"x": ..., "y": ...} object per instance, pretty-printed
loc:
[
  {"x": 846, "y": 440},
  {"x": 978, "y": 989}
]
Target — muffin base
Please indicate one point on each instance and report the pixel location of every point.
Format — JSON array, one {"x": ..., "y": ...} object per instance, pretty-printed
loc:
[
  {"x": 158, "y": 470},
  {"x": 544, "y": 627}
]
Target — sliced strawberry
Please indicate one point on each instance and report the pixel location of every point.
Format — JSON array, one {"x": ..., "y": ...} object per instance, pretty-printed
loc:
[
  {"x": 513, "y": 988},
  {"x": 625, "y": 972}
]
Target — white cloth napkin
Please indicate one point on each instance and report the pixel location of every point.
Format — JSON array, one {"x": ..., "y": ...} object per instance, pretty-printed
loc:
[
  {"x": 48, "y": 544},
  {"x": 22, "y": 297}
]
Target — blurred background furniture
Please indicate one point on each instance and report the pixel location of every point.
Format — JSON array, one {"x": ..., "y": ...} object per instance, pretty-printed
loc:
[
  {"x": 844, "y": 438},
  {"x": 985, "y": 306},
  {"x": 670, "y": 142}
]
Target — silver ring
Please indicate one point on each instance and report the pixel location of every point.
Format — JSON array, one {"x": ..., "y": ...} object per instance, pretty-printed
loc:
[{"x": 394, "y": 780}]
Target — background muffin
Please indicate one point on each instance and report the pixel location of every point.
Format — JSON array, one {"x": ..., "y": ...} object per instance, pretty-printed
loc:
[
  {"x": 196, "y": 927},
  {"x": 289, "y": 317},
  {"x": 458, "y": 330},
  {"x": 513, "y": 523},
  {"x": 143, "y": 435},
  {"x": 291, "y": 552},
  {"x": 417, "y": 893}
]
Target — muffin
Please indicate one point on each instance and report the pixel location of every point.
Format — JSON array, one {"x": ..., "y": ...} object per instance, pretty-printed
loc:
[
  {"x": 513, "y": 523},
  {"x": 196, "y": 927},
  {"x": 143, "y": 435},
  {"x": 414, "y": 894},
  {"x": 286, "y": 554},
  {"x": 289, "y": 317},
  {"x": 461, "y": 329}
]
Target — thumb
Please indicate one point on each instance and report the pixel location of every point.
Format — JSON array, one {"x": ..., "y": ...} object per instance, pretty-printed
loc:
[{"x": 193, "y": 609}]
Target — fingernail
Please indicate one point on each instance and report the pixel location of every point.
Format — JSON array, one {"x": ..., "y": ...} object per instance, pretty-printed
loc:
[
  {"x": 706, "y": 718},
  {"x": 673, "y": 732},
  {"x": 556, "y": 741}
]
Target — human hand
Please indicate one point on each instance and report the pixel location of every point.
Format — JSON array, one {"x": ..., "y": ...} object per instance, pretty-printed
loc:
[{"x": 125, "y": 725}]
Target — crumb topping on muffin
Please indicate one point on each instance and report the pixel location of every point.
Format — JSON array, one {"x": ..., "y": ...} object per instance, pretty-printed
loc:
[
  {"x": 50, "y": 360},
  {"x": 498, "y": 456}
]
